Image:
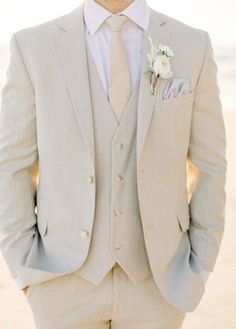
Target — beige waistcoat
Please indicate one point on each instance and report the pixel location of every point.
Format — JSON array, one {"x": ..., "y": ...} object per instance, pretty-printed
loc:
[{"x": 117, "y": 234}]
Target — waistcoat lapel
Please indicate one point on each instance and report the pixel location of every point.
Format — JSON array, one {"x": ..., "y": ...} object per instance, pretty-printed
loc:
[
  {"x": 101, "y": 91},
  {"x": 157, "y": 31}
]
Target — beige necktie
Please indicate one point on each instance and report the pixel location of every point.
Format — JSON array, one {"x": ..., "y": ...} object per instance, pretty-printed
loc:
[{"x": 119, "y": 80}]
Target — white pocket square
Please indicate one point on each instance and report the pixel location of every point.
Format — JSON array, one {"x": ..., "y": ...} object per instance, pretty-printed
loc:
[{"x": 176, "y": 87}]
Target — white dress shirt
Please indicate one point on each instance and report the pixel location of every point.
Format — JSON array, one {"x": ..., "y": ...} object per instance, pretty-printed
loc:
[{"x": 98, "y": 36}]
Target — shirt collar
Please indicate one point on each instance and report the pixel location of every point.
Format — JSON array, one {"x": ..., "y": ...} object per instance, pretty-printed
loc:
[{"x": 95, "y": 14}]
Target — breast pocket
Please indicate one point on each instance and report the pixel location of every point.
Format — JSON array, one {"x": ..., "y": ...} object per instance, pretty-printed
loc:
[{"x": 179, "y": 102}]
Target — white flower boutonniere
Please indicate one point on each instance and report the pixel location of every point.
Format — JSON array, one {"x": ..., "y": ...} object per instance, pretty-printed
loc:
[{"x": 159, "y": 63}]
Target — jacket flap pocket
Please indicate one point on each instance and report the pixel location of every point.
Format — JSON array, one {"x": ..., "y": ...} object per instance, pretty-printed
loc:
[{"x": 183, "y": 216}]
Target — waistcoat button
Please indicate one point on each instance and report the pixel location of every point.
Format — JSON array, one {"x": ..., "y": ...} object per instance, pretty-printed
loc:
[
  {"x": 119, "y": 146},
  {"x": 117, "y": 212},
  {"x": 120, "y": 177}
]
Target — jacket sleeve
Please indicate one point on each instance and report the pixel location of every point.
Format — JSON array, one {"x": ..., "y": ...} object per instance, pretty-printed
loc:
[
  {"x": 18, "y": 162},
  {"x": 207, "y": 165}
]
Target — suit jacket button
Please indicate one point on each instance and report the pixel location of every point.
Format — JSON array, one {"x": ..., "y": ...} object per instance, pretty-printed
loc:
[
  {"x": 118, "y": 246},
  {"x": 90, "y": 179},
  {"x": 84, "y": 234}
]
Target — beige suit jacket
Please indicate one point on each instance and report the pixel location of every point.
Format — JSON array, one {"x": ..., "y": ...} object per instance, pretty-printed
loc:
[{"x": 47, "y": 158}]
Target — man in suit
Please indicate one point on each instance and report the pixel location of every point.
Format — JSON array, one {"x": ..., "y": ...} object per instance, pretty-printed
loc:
[{"x": 112, "y": 194}]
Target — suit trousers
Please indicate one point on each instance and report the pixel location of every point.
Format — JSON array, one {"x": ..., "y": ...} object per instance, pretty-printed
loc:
[{"x": 71, "y": 302}]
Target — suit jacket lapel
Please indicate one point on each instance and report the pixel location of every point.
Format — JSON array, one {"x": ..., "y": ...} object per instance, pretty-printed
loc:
[
  {"x": 72, "y": 50},
  {"x": 71, "y": 45},
  {"x": 158, "y": 31}
]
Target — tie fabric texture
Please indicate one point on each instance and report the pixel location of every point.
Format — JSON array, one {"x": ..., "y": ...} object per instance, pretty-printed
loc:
[{"x": 119, "y": 78}]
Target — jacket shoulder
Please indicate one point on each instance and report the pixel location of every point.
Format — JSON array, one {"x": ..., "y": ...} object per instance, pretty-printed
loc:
[
  {"x": 181, "y": 30},
  {"x": 45, "y": 30}
]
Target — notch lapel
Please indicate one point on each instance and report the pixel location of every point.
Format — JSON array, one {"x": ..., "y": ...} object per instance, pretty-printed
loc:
[
  {"x": 71, "y": 44},
  {"x": 158, "y": 31}
]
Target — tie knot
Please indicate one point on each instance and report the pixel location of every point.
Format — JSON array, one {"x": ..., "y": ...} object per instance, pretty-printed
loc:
[{"x": 116, "y": 22}]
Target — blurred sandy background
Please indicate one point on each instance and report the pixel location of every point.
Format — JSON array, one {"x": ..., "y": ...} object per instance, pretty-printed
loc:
[{"x": 218, "y": 306}]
